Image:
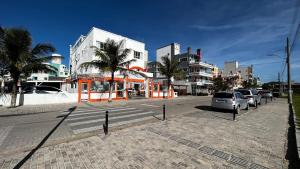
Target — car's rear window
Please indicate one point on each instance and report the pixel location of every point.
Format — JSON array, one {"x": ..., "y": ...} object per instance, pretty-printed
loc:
[
  {"x": 244, "y": 92},
  {"x": 223, "y": 95}
]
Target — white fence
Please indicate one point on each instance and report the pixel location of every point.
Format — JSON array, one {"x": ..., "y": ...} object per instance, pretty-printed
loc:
[{"x": 37, "y": 99}]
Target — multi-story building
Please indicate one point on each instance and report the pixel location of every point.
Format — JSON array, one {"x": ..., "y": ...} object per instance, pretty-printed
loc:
[
  {"x": 197, "y": 74},
  {"x": 53, "y": 78},
  {"x": 243, "y": 73},
  {"x": 93, "y": 83}
]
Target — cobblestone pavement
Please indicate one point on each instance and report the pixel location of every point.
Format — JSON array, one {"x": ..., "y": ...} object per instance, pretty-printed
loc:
[{"x": 194, "y": 140}]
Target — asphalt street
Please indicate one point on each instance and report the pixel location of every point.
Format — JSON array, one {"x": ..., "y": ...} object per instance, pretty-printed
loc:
[{"x": 20, "y": 133}]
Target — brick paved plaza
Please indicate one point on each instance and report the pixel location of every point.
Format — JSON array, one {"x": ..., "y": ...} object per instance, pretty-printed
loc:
[{"x": 198, "y": 139}]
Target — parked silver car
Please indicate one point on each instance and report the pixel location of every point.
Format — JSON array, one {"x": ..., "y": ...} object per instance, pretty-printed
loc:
[
  {"x": 230, "y": 101},
  {"x": 253, "y": 95}
]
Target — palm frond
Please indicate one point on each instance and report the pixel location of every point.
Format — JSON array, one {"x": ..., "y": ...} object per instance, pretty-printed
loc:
[
  {"x": 132, "y": 71},
  {"x": 1, "y": 38},
  {"x": 98, "y": 64},
  {"x": 127, "y": 62},
  {"x": 37, "y": 67},
  {"x": 42, "y": 49}
]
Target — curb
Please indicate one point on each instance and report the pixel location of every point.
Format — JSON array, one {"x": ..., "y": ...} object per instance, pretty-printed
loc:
[{"x": 297, "y": 132}]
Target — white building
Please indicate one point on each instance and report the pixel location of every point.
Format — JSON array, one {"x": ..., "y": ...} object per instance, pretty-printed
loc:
[
  {"x": 169, "y": 50},
  {"x": 232, "y": 68},
  {"x": 93, "y": 83},
  {"x": 82, "y": 50}
]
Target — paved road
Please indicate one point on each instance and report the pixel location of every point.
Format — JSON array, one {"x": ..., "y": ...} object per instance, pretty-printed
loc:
[
  {"x": 19, "y": 133},
  {"x": 88, "y": 119},
  {"x": 199, "y": 139}
]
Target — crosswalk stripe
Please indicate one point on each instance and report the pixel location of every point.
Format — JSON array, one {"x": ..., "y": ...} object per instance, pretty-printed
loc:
[
  {"x": 102, "y": 120},
  {"x": 89, "y": 129},
  {"x": 88, "y": 110},
  {"x": 150, "y": 105},
  {"x": 95, "y": 111},
  {"x": 102, "y": 115}
]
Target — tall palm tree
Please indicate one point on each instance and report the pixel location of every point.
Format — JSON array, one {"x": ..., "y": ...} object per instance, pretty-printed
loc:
[
  {"x": 111, "y": 58},
  {"x": 21, "y": 58},
  {"x": 169, "y": 68}
]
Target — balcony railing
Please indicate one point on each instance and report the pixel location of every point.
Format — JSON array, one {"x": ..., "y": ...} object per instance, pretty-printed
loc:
[{"x": 203, "y": 73}]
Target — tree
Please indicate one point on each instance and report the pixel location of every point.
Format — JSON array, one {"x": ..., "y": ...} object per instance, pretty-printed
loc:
[
  {"x": 220, "y": 84},
  {"x": 111, "y": 58},
  {"x": 169, "y": 68},
  {"x": 20, "y": 58}
]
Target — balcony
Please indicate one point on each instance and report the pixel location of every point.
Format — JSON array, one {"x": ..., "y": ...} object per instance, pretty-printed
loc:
[
  {"x": 202, "y": 73},
  {"x": 201, "y": 64}
]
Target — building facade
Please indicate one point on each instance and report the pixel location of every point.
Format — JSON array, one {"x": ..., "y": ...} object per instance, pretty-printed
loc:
[
  {"x": 197, "y": 74},
  {"x": 242, "y": 73},
  {"x": 93, "y": 84},
  {"x": 54, "y": 78}
]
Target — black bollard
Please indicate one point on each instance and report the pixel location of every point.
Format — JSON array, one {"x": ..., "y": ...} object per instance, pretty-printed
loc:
[
  {"x": 164, "y": 112},
  {"x": 234, "y": 111},
  {"x": 271, "y": 98},
  {"x": 105, "y": 126}
]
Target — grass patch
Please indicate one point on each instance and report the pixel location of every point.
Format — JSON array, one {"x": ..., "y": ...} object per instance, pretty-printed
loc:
[{"x": 296, "y": 103}]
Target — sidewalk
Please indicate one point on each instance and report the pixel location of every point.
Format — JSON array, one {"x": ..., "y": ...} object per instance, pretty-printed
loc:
[
  {"x": 257, "y": 140},
  {"x": 34, "y": 109}
]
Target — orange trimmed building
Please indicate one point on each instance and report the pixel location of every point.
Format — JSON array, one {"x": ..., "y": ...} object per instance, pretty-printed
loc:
[{"x": 93, "y": 85}]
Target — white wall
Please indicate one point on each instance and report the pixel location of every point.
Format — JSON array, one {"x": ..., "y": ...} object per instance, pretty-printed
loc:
[
  {"x": 40, "y": 76},
  {"x": 87, "y": 54},
  {"x": 161, "y": 52},
  {"x": 230, "y": 67},
  {"x": 37, "y": 99}
]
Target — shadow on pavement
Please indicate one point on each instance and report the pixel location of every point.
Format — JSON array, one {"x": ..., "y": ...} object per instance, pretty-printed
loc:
[
  {"x": 27, "y": 157},
  {"x": 209, "y": 108},
  {"x": 292, "y": 150}
]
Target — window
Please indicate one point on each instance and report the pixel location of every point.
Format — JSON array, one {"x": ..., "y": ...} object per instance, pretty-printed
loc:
[
  {"x": 183, "y": 59},
  {"x": 137, "y": 55},
  {"x": 34, "y": 78},
  {"x": 99, "y": 86},
  {"x": 45, "y": 78},
  {"x": 100, "y": 45}
]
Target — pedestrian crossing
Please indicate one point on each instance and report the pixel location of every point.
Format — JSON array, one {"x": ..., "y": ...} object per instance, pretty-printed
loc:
[{"x": 88, "y": 119}]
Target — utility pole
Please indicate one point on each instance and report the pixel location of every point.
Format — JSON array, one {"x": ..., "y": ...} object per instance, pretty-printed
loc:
[
  {"x": 290, "y": 101},
  {"x": 279, "y": 84}
]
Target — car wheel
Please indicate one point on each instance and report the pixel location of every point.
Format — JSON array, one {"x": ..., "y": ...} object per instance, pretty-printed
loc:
[
  {"x": 237, "y": 110},
  {"x": 247, "y": 107}
]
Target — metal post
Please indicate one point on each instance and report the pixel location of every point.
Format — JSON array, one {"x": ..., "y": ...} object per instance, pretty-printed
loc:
[
  {"x": 289, "y": 71},
  {"x": 105, "y": 125},
  {"x": 234, "y": 111},
  {"x": 164, "y": 112}
]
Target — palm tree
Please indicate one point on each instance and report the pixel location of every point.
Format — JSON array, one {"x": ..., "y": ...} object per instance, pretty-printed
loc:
[
  {"x": 169, "y": 68},
  {"x": 20, "y": 58},
  {"x": 111, "y": 58}
]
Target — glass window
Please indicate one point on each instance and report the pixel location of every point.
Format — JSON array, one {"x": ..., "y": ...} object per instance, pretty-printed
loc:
[
  {"x": 120, "y": 86},
  {"x": 223, "y": 95},
  {"x": 97, "y": 86},
  {"x": 100, "y": 45},
  {"x": 137, "y": 55},
  {"x": 245, "y": 92}
]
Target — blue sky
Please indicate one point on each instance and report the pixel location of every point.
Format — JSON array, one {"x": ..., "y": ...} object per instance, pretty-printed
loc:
[{"x": 248, "y": 31}]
